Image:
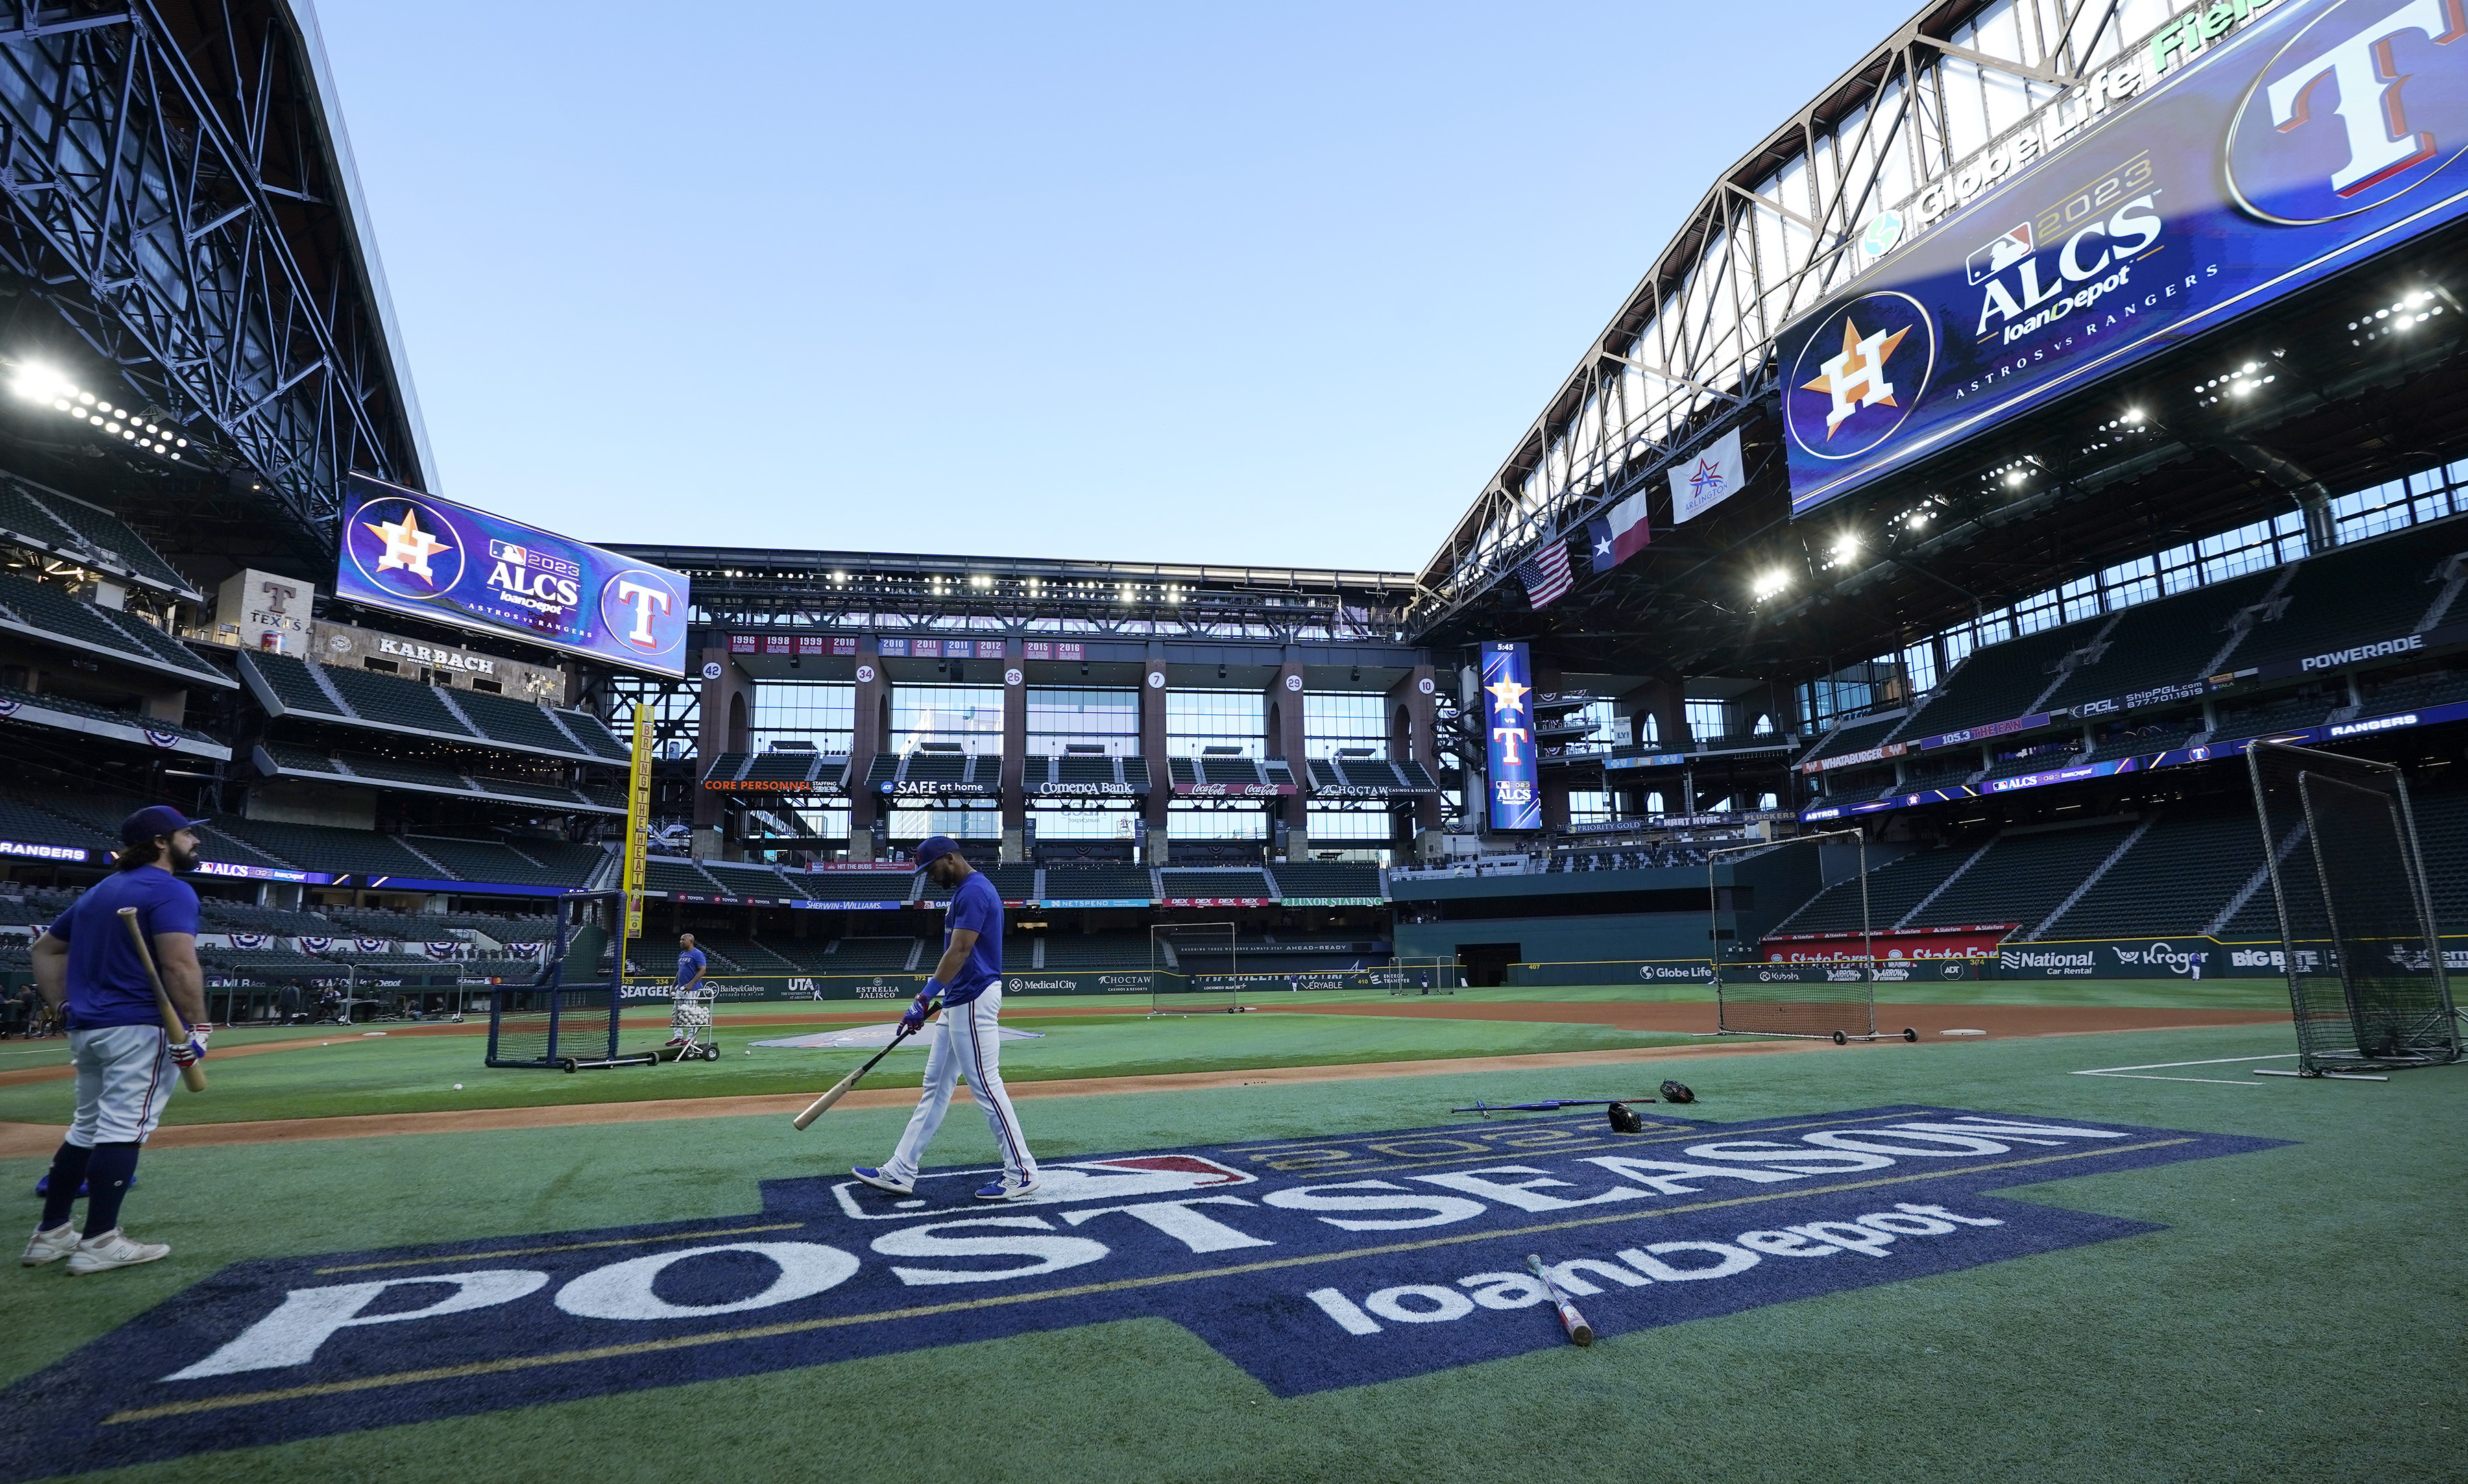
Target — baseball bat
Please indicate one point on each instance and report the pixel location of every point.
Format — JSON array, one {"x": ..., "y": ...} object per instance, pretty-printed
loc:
[
  {"x": 839, "y": 1090},
  {"x": 1579, "y": 1331},
  {"x": 192, "y": 1076}
]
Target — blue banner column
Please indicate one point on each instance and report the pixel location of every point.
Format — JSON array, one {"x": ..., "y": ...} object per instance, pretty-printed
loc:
[{"x": 871, "y": 722}]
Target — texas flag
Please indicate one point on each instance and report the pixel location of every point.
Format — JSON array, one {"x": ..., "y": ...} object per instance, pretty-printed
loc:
[{"x": 1618, "y": 533}]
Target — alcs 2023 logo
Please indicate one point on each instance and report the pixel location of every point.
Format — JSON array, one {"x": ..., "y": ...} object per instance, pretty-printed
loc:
[{"x": 1313, "y": 1263}]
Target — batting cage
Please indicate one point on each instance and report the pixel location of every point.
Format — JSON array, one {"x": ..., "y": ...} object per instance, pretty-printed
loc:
[
  {"x": 1831, "y": 993},
  {"x": 567, "y": 1017},
  {"x": 1437, "y": 975},
  {"x": 1193, "y": 968},
  {"x": 2362, "y": 950}
]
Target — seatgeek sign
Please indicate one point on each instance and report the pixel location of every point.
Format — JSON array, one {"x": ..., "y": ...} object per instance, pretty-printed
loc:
[
  {"x": 2304, "y": 142},
  {"x": 1312, "y": 1264},
  {"x": 435, "y": 559}
]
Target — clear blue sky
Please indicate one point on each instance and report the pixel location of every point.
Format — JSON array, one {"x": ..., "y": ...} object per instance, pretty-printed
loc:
[{"x": 1266, "y": 283}]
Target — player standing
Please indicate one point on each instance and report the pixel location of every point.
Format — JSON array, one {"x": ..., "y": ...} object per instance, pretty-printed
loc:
[
  {"x": 691, "y": 962},
  {"x": 126, "y": 1063},
  {"x": 969, "y": 981}
]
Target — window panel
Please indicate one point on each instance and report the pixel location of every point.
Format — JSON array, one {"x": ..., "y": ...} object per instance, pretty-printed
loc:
[
  {"x": 1195, "y": 720},
  {"x": 1059, "y": 717},
  {"x": 970, "y": 715}
]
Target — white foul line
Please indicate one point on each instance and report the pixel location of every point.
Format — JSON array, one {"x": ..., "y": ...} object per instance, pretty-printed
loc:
[{"x": 2216, "y": 1082}]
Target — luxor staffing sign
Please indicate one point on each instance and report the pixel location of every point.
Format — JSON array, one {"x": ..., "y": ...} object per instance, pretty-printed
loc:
[
  {"x": 2302, "y": 145},
  {"x": 418, "y": 554},
  {"x": 1508, "y": 716}
]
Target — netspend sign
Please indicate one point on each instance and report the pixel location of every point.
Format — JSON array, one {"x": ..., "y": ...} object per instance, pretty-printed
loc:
[
  {"x": 419, "y": 554},
  {"x": 2313, "y": 138}
]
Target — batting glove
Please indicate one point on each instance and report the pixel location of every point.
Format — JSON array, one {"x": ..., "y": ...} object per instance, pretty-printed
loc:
[
  {"x": 918, "y": 1010},
  {"x": 193, "y": 1050}
]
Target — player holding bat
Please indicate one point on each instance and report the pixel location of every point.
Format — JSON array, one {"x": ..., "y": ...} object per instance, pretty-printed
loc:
[
  {"x": 969, "y": 982},
  {"x": 126, "y": 1059}
]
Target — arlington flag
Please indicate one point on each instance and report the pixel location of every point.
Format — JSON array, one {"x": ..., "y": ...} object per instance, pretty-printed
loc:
[{"x": 1702, "y": 483}]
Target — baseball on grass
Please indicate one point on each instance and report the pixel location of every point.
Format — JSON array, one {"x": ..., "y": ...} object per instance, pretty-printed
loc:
[{"x": 458, "y": 1087}]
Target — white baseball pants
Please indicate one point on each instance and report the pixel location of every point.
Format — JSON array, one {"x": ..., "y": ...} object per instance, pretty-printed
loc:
[
  {"x": 968, "y": 1047},
  {"x": 124, "y": 1075}
]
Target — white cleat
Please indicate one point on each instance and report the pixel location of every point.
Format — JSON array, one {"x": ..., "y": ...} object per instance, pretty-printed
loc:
[
  {"x": 881, "y": 1181},
  {"x": 113, "y": 1249},
  {"x": 50, "y": 1247}
]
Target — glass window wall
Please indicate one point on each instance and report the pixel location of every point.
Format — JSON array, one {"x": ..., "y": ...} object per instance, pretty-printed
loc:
[
  {"x": 970, "y": 715},
  {"x": 1195, "y": 720},
  {"x": 1059, "y": 717}
]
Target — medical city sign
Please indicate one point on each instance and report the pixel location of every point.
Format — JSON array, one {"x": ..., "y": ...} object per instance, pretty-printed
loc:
[
  {"x": 419, "y": 554},
  {"x": 2300, "y": 143}
]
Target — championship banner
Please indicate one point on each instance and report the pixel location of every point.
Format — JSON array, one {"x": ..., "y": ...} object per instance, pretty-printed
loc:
[
  {"x": 639, "y": 821},
  {"x": 2311, "y": 137},
  {"x": 1515, "y": 792},
  {"x": 441, "y": 560}
]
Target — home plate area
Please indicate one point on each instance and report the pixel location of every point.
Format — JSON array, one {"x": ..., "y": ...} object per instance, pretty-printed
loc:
[
  {"x": 873, "y": 1038},
  {"x": 1312, "y": 1264}
]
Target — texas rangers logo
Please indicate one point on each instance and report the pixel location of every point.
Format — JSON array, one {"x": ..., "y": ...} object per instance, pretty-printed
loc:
[
  {"x": 1859, "y": 376},
  {"x": 643, "y": 610},
  {"x": 2364, "y": 103},
  {"x": 405, "y": 547}
]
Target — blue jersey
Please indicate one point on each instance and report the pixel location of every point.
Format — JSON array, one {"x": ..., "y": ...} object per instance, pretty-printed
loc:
[
  {"x": 690, "y": 966},
  {"x": 976, "y": 904},
  {"x": 107, "y": 984}
]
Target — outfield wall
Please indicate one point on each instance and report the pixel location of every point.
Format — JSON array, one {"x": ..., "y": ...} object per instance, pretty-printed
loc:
[{"x": 1093, "y": 984}]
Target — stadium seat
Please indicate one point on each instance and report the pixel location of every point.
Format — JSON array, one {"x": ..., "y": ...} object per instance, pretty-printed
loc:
[
  {"x": 1098, "y": 883},
  {"x": 2177, "y": 877},
  {"x": 2163, "y": 642},
  {"x": 386, "y": 701},
  {"x": 2022, "y": 878}
]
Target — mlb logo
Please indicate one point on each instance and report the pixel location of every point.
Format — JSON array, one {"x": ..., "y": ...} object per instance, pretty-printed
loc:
[
  {"x": 2000, "y": 254},
  {"x": 520, "y": 557}
]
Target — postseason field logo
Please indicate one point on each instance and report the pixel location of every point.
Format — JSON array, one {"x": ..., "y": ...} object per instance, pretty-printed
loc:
[{"x": 1313, "y": 1263}]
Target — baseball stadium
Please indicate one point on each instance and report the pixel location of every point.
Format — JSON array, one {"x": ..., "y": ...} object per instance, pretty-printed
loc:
[{"x": 1972, "y": 819}]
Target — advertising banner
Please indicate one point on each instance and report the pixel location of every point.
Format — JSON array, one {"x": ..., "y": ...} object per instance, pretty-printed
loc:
[
  {"x": 438, "y": 560},
  {"x": 1508, "y": 689},
  {"x": 2316, "y": 135},
  {"x": 1935, "y": 942}
]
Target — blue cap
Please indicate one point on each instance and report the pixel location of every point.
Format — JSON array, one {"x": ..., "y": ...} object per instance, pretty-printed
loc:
[
  {"x": 934, "y": 848},
  {"x": 148, "y": 823}
]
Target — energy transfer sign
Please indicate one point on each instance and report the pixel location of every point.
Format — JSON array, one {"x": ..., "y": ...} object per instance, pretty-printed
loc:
[
  {"x": 1512, "y": 773},
  {"x": 1312, "y": 1264},
  {"x": 2302, "y": 144},
  {"x": 418, "y": 554}
]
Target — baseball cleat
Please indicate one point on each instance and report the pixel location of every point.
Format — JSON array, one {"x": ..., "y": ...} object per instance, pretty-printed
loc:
[
  {"x": 113, "y": 1249},
  {"x": 1005, "y": 1190},
  {"x": 881, "y": 1181},
  {"x": 50, "y": 1247}
]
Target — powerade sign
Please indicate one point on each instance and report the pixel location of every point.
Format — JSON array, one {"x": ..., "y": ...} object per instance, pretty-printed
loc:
[
  {"x": 1313, "y": 1263},
  {"x": 418, "y": 554},
  {"x": 1508, "y": 716},
  {"x": 2311, "y": 139}
]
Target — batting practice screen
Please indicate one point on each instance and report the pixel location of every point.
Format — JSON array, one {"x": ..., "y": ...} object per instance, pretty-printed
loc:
[
  {"x": 568, "y": 1014},
  {"x": 1833, "y": 1000},
  {"x": 2363, "y": 957}
]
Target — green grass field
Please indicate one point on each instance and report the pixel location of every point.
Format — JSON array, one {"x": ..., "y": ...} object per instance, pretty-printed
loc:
[{"x": 2296, "y": 1312}]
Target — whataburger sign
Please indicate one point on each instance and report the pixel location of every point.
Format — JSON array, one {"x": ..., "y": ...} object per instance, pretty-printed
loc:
[{"x": 1312, "y": 1264}]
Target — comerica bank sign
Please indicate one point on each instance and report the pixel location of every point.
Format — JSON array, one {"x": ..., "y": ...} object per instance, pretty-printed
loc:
[{"x": 2300, "y": 140}]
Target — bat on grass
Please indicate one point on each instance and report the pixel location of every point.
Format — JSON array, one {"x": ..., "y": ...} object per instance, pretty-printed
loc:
[
  {"x": 1548, "y": 1104},
  {"x": 1579, "y": 1331},
  {"x": 839, "y": 1090},
  {"x": 192, "y": 1076}
]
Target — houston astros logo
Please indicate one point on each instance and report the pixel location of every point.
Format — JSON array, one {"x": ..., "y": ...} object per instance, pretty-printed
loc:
[
  {"x": 2364, "y": 102},
  {"x": 1856, "y": 380},
  {"x": 405, "y": 547}
]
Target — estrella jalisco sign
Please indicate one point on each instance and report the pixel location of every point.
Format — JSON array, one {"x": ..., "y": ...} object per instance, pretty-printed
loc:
[
  {"x": 1313, "y": 1263},
  {"x": 2302, "y": 143}
]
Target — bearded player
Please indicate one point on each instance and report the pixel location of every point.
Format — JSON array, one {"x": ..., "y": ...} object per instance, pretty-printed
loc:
[
  {"x": 969, "y": 982},
  {"x": 126, "y": 1064}
]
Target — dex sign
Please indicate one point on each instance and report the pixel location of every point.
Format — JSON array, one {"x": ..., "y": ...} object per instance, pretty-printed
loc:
[
  {"x": 436, "y": 559},
  {"x": 2315, "y": 136}
]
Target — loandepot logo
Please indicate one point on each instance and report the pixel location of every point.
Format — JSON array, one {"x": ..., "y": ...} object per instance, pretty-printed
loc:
[
  {"x": 1860, "y": 374},
  {"x": 2365, "y": 102},
  {"x": 1312, "y": 1264}
]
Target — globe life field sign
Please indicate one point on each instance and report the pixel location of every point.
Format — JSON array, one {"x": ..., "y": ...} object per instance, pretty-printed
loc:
[
  {"x": 420, "y": 554},
  {"x": 2310, "y": 139}
]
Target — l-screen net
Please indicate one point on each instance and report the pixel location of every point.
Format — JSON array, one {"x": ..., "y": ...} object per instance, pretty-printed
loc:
[
  {"x": 1828, "y": 993},
  {"x": 569, "y": 1014},
  {"x": 1193, "y": 968}
]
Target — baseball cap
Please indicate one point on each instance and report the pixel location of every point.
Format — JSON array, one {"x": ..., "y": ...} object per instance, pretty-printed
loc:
[
  {"x": 156, "y": 820},
  {"x": 934, "y": 848}
]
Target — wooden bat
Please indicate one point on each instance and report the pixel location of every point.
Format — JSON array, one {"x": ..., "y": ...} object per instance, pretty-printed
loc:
[
  {"x": 839, "y": 1090},
  {"x": 1579, "y": 1331},
  {"x": 192, "y": 1076}
]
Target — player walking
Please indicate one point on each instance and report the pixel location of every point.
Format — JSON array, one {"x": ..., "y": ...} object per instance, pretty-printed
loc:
[
  {"x": 691, "y": 962},
  {"x": 126, "y": 1063},
  {"x": 969, "y": 981}
]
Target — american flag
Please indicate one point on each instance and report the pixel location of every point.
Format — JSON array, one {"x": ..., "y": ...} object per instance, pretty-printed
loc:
[{"x": 1547, "y": 576}]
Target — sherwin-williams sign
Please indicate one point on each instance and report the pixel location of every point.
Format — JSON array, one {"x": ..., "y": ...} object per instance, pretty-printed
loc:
[
  {"x": 418, "y": 554},
  {"x": 2313, "y": 139},
  {"x": 1508, "y": 716}
]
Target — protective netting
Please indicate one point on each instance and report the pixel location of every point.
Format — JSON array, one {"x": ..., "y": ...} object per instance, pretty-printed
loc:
[
  {"x": 1193, "y": 968},
  {"x": 570, "y": 1013},
  {"x": 1828, "y": 991},
  {"x": 2363, "y": 955},
  {"x": 1797, "y": 999},
  {"x": 1434, "y": 975}
]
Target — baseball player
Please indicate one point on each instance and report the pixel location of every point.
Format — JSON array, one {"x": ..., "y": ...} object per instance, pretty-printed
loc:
[
  {"x": 969, "y": 982},
  {"x": 127, "y": 1066},
  {"x": 690, "y": 966}
]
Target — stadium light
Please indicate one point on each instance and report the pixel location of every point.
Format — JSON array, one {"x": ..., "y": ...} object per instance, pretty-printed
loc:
[
  {"x": 2133, "y": 415},
  {"x": 1770, "y": 583},
  {"x": 2014, "y": 478}
]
